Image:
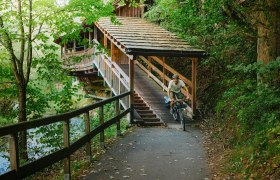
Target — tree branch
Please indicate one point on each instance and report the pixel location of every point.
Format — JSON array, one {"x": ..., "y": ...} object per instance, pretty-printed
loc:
[
  {"x": 29, "y": 48},
  {"x": 7, "y": 43},
  {"x": 22, "y": 44}
]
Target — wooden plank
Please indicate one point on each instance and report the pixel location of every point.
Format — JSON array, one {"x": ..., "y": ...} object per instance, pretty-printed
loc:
[
  {"x": 151, "y": 40},
  {"x": 87, "y": 131},
  {"x": 163, "y": 48},
  {"x": 118, "y": 124},
  {"x": 101, "y": 121},
  {"x": 66, "y": 144},
  {"x": 163, "y": 72},
  {"x": 156, "y": 45},
  {"x": 134, "y": 29},
  {"x": 9, "y": 175},
  {"x": 14, "y": 154},
  {"x": 194, "y": 66},
  {"x": 140, "y": 33},
  {"x": 131, "y": 88}
]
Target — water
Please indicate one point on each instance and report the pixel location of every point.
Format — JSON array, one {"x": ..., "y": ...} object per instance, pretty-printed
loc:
[{"x": 36, "y": 149}]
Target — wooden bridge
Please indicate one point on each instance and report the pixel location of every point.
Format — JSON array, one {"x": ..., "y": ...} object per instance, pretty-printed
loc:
[{"x": 133, "y": 65}]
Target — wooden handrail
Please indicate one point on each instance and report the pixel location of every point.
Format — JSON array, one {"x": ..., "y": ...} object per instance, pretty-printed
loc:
[
  {"x": 20, "y": 172},
  {"x": 173, "y": 71}
]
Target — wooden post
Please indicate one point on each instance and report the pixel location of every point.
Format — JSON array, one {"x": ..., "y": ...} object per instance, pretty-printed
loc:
[
  {"x": 117, "y": 108},
  {"x": 87, "y": 131},
  {"x": 89, "y": 39},
  {"x": 14, "y": 154},
  {"x": 142, "y": 11},
  {"x": 65, "y": 48},
  {"x": 95, "y": 32},
  {"x": 131, "y": 87},
  {"x": 101, "y": 121},
  {"x": 194, "y": 65},
  {"x": 163, "y": 73},
  {"x": 149, "y": 67},
  {"x": 61, "y": 51},
  {"x": 113, "y": 51},
  {"x": 66, "y": 144},
  {"x": 105, "y": 41},
  {"x": 84, "y": 41},
  {"x": 74, "y": 46}
]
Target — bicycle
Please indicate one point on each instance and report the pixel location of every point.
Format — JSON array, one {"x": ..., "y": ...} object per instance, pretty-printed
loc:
[{"x": 181, "y": 112}]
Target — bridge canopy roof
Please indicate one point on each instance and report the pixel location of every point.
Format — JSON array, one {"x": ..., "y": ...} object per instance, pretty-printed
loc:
[{"x": 139, "y": 37}]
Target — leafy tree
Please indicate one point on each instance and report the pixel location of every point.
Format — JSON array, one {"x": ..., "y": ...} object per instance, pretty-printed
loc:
[
  {"x": 241, "y": 38},
  {"x": 26, "y": 26}
]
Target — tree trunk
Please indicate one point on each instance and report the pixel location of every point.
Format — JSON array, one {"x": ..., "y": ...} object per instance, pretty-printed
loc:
[
  {"x": 22, "y": 118},
  {"x": 268, "y": 32}
]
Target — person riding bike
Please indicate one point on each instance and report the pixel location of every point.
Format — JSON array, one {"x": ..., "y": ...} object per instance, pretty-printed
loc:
[{"x": 174, "y": 90}]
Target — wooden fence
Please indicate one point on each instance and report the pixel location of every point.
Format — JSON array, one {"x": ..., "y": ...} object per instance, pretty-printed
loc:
[
  {"x": 19, "y": 171},
  {"x": 113, "y": 75}
]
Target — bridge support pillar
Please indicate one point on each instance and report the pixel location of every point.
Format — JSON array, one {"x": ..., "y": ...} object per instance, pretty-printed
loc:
[
  {"x": 194, "y": 72},
  {"x": 131, "y": 87}
]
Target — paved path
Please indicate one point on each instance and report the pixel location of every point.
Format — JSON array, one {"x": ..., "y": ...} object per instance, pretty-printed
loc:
[
  {"x": 165, "y": 153},
  {"x": 154, "y": 153}
]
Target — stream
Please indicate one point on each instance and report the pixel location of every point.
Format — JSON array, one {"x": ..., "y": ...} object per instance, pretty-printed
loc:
[{"x": 36, "y": 148}]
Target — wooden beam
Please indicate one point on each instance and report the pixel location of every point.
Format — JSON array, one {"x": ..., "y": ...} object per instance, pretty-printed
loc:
[
  {"x": 113, "y": 52},
  {"x": 194, "y": 72},
  {"x": 74, "y": 46},
  {"x": 149, "y": 67},
  {"x": 131, "y": 87},
  {"x": 66, "y": 144},
  {"x": 105, "y": 41},
  {"x": 89, "y": 38},
  {"x": 163, "y": 73},
  {"x": 87, "y": 131},
  {"x": 14, "y": 154},
  {"x": 95, "y": 32},
  {"x": 101, "y": 122},
  {"x": 117, "y": 109}
]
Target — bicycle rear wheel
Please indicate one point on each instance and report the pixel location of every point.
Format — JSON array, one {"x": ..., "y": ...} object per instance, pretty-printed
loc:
[{"x": 182, "y": 119}]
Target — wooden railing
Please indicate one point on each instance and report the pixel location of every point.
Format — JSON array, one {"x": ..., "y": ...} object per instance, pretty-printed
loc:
[
  {"x": 84, "y": 60},
  {"x": 153, "y": 72},
  {"x": 114, "y": 76},
  {"x": 19, "y": 171}
]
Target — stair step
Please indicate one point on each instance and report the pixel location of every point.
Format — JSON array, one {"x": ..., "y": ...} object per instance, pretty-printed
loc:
[
  {"x": 153, "y": 123},
  {"x": 138, "y": 101},
  {"x": 140, "y": 104},
  {"x": 141, "y": 108},
  {"x": 143, "y": 116},
  {"x": 151, "y": 119},
  {"x": 144, "y": 111}
]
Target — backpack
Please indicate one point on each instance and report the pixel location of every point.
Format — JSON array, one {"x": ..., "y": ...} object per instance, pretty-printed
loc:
[{"x": 167, "y": 102}]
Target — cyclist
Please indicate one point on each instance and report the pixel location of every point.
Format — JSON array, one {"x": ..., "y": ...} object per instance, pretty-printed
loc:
[{"x": 174, "y": 89}]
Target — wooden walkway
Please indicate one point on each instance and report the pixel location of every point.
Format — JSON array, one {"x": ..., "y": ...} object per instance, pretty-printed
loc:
[{"x": 152, "y": 94}]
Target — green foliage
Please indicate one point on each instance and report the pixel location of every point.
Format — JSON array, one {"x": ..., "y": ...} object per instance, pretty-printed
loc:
[
  {"x": 244, "y": 94},
  {"x": 254, "y": 104}
]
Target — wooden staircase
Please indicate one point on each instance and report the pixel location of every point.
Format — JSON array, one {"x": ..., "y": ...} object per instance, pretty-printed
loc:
[{"x": 147, "y": 115}]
